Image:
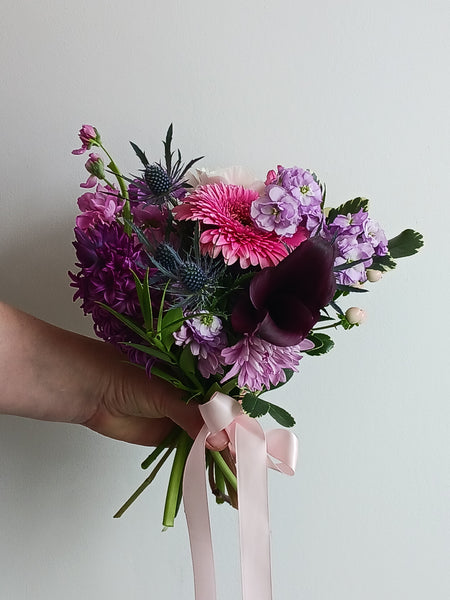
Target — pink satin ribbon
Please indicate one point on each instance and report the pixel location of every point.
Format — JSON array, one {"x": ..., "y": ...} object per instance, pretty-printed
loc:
[{"x": 254, "y": 451}]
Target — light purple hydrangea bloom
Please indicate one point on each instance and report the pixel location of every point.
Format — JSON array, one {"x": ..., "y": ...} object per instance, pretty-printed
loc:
[
  {"x": 260, "y": 364},
  {"x": 206, "y": 339},
  {"x": 302, "y": 185},
  {"x": 358, "y": 238},
  {"x": 376, "y": 237},
  {"x": 276, "y": 210}
]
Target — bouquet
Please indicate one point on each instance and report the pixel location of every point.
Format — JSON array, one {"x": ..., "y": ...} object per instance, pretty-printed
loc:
[{"x": 219, "y": 283}]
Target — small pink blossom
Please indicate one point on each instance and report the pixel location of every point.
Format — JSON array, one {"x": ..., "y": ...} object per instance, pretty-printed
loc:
[
  {"x": 100, "y": 206},
  {"x": 95, "y": 166},
  {"x": 271, "y": 177},
  {"x": 88, "y": 135}
]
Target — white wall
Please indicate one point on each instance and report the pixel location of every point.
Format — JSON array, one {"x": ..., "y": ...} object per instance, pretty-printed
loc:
[{"x": 357, "y": 90}]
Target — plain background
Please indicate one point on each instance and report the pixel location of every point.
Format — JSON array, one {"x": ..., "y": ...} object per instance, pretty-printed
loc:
[{"x": 356, "y": 90}]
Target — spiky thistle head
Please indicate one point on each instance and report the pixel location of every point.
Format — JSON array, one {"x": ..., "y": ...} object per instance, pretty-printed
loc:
[{"x": 163, "y": 184}]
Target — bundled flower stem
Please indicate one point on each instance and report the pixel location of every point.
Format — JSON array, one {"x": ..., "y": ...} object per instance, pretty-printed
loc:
[{"x": 219, "y": 282}]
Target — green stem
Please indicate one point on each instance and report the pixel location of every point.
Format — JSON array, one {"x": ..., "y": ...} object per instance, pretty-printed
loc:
[
  {"x": 176, "y": 475},
  {"x": 143, "y": 485},
  {"x": 224, "y": 468},
  {"x": 168, "y": 442},
  {"x": 126, "y": 211},
  {"x": 333, "y": 325}
]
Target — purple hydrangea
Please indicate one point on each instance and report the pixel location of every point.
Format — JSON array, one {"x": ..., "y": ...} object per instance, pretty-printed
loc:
[
  {"x": 205, "y": 337},
  {"x": 260, "y": 364},
  {"x": 303, "y": 186},
  {"x": 376, "y": 237},
  {"x": 358, "y": 238},
  {"x": 276, "y": 210}
]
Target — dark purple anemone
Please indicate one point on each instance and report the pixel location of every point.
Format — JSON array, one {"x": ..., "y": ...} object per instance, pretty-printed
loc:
[{"x": 283, "y": 302}]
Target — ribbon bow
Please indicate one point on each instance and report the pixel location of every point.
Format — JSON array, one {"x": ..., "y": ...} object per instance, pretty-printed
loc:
[{"x": 255, "y": 451}]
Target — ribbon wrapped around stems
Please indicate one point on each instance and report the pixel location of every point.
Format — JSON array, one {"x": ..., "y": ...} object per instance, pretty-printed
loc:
[{"x": 255, "y": 451}]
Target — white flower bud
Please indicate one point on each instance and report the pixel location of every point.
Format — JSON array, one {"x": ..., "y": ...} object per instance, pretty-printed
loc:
[
  {"x": 374, "y": 275},
  {"x": 355, "y": 315}
]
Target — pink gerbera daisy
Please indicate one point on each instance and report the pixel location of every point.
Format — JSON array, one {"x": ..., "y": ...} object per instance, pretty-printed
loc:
[{"x": 230, "y": 230}]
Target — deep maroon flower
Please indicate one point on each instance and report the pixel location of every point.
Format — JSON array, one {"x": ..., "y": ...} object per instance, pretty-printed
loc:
[{"x": 283, "y": 302}]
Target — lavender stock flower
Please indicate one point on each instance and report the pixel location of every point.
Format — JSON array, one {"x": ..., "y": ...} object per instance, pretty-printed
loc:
[
  {"x": 358, "y": 238},
  {"x": 302, "y": 185},
  {"x": 276, "y": 210}
]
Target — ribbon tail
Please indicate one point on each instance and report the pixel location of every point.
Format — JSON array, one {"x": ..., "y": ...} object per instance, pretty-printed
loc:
[
  {"x": 251, "y": 462},
  {"x": 197, "y": 516}
]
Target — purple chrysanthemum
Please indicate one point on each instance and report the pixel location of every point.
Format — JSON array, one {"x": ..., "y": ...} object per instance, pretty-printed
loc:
[
  {"x": 260, "y": 364},
  {"x": 206, "y": 339}
]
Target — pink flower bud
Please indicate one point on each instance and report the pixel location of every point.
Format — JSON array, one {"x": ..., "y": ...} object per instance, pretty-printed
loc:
[
  {"x": 88, "y": 136},
  {"x": 96, "y": 168},
  {"x": 373, "y": 275},
  {"x": 270, "y": 178},
  {"x": 355, "y": 315},
  {"x": 95, "y": 165}
]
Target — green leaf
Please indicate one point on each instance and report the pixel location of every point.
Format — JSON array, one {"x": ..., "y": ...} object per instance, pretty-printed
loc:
[
  {"x": 187, "y": 361},
  {"x": 170, "y": 378},
  {"x": 281, "y": 416},
  {"x": 229, "y": 385},
  {"x": 126, "y": 321},
  {"x": 140, "y": 154},
  {"x": 212, "y": 390},
  {"x": 383, "y": 263},
  {"x": 405, "y": 243},
  {"x": 346, "y": 289},
  {"x": 171, "y": 322},
  {"x": 161, "y": 309},
  {"x": 254, "y": 406},
  {"x": 350, "y": 207},
  {"x": 151, "y": 352},
  {"x": 167, "y": 148},
  {"x": 322, "y": 344},
  {"x": 188, "y": 364},
  {"x": 143, "y": 292}
]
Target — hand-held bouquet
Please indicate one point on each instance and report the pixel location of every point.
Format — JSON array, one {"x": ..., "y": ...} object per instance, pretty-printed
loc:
[{"x": 218, "y": 283}]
